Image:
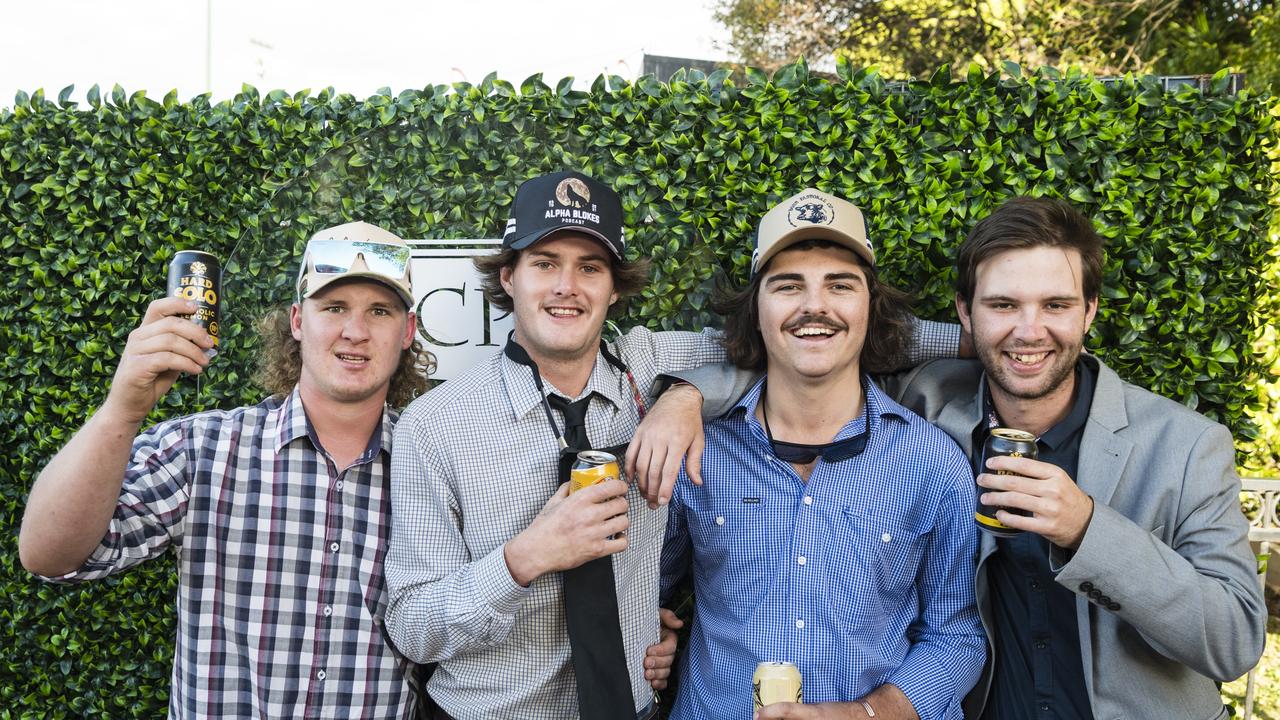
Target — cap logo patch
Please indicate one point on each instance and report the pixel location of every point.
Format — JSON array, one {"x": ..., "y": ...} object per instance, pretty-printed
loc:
[
  {"x": 572, "y": 192},
  {"x": 811, "y": 210}
]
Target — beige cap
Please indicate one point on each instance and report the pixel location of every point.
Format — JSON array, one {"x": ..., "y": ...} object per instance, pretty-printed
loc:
[
  {"x": 811, "y": 215},
  {"x": 356, "y": 250}
]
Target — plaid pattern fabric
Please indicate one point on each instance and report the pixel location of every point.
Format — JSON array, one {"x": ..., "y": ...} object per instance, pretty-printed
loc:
[
  {"x": 474, "y": 462},
  {"x": 862, "y": 576},
  {"x": 279, "y": 561}
]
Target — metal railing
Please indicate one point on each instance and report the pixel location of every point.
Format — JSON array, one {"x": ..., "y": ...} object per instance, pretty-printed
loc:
[{"x": 1262, "y": 500}]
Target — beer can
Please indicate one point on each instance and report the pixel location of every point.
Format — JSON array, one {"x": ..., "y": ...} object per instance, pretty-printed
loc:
[
  {"x": 1011, "y": 443},
  {"x": 591, "y": 467},
  {"x": 776, "y": 682},
  {"x": 197, "y": 276}
]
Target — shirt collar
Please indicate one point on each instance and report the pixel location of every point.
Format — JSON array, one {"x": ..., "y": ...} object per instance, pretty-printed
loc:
[
  {"x": 1054, "y": 437},
  {"x": 523, "y": 394},
  {"x": 879, "y": 407},
  {"x": 292, "y": 423}
]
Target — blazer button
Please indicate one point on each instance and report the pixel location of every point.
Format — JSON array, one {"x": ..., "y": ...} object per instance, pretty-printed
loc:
[
  {"x": 1095, "y": 593},
  {"x": 1086, "y": 586},
  {"x": 1113, "y": 606}
]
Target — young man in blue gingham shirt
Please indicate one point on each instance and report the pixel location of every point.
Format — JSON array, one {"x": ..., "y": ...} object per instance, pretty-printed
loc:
[
  {"x": 835, "y": 535},
  {"x": 279, "y": 512}
]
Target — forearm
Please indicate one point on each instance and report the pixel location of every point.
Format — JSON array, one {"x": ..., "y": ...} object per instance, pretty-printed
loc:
[
  {"x": 434, "y": 619},
  {"x": 73, "y": 499},
  {"x": 1203, "y": 610}
]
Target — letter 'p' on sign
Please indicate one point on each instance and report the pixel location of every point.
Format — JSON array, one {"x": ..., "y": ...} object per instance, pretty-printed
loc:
[{"x": 455, "y": 322}]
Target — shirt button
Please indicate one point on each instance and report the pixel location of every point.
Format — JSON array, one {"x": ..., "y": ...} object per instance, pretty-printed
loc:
[
  {"x": 337, "y": 485},
  {"x": 720, "y": 520},
  {"x": 808, "y": 500},
  {"x": 800, "y": 560},
  {"x": 321, "y": 675},
  {"x": 799, "y": 624},
  {"x": 333, "y": 547},
  {"x": 1044, "y": 706},
  {"x": 1040, "y": 644},
  {"x": 328, "y": 611},
  {"x": 886, "y": 537},
  {"x": 1035, "y": 584}
]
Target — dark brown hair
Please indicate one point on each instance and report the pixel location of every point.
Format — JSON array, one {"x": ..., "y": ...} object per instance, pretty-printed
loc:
[
  {"x": 280, "y": 362},
  {"x": 629, "y": 278},
  {"x": 1025, "y": 222},
  {"x": 888, "y": 320}
]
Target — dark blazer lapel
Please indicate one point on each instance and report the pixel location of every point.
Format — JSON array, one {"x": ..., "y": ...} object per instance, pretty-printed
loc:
[{"x": 1103, "y": 454}]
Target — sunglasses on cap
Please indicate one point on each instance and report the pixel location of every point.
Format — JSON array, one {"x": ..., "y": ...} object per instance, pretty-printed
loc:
[{"x": 335, "y": 257}]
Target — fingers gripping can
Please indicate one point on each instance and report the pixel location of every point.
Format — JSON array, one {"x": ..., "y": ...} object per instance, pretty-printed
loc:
[
  {"x": 776, "y": 682},
  {"x": 197, "y": 276},
  {"x": 591, "y": 467},
  {"x": 1011, "y": 443}
]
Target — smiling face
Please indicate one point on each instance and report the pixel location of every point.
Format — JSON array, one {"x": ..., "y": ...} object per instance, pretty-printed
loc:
[
  {"x": 561, "y": 290},
  {"x": 1028, "y": 319},
  {"x": 352, "y": 334},
  {"x": 813, "y": 307}
]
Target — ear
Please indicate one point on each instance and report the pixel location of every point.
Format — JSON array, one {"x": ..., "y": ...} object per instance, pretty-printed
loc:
[
  {"x": 1090, "y": 312},
  {"x": 962, "y": 311},
  {"x": 295, "y": 321},
  {"x": 613, "y": 298},
  {"x": 410, "y": 329},
  {"x": 504, "y": 276}
]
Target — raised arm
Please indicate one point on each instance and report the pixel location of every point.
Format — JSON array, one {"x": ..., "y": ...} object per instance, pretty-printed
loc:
[{"x": 73, "y": 498}]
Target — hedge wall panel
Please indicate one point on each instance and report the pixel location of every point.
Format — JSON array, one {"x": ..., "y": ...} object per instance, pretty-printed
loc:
[{"x": 97, "y": 198}]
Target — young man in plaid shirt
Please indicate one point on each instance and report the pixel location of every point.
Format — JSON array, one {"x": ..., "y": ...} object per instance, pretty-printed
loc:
[{"x": 278, "y": 511}]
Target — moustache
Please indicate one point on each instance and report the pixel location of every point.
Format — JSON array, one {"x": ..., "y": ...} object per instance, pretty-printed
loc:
[{"x": 815, "y": 320}]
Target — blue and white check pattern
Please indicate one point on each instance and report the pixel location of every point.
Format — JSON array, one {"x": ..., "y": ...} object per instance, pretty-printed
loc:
[
  {"x": 861, "y": 577},
  {"x": 474, "y": 462},
  {"x": 279, "y": 562}
]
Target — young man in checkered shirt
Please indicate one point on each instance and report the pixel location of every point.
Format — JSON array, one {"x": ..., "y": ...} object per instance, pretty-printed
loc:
[{"x": 278, "y": 512}]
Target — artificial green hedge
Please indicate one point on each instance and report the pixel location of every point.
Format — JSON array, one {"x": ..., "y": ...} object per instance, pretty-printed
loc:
[{"x": 97, "y": 197}]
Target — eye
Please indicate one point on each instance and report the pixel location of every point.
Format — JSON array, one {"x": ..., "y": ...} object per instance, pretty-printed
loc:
[
  {"x": 381, "y": 312},
  {"x": 334, "y": 309},
  {"x": 542, "y": 264},
  {"x": 591, "y": 269}
]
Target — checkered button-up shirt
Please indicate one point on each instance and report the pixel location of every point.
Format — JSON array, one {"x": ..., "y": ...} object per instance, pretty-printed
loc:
[
  {"x": 279, "y": 562},
  {"x": 862, "y": 576},
  {"x": 474, "y": 462}
]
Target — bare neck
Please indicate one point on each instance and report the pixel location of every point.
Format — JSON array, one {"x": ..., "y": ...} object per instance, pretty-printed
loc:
[
  {"x": 343, "y": 428},
  {"x": 808, "y": 411},
  {"x": 1035, "y": 415}
]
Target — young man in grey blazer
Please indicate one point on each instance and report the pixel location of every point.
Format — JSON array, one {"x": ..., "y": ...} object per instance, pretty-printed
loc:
[{"x": 1132, "y": 588}]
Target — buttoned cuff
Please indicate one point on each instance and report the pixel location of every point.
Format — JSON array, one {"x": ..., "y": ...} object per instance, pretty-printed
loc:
[
  {"x": 932, "y": 341},
  {"x": 495, "y": 585}
]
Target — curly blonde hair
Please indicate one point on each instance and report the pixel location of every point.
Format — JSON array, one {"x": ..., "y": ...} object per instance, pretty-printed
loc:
[{"x": 280, "y": 362}]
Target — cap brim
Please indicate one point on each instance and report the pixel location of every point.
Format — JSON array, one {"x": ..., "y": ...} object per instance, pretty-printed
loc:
[
  {"x": 526, "y": 241},
  {"x": 403, "y": 294},
  {"x": 815, "y": 232}
]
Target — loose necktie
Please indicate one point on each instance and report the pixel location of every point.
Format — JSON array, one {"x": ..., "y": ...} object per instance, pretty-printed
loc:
[{"x": 591, "y": 604}]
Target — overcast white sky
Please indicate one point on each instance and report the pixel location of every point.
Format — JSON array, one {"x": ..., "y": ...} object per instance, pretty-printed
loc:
[{"x": 356, "y": 46}]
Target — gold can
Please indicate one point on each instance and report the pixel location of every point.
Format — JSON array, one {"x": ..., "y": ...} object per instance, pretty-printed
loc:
[
  {"x": 776, "y": 682},
  {"x": 1011, "y": 443},
  {"x": 591, "y": 467}
]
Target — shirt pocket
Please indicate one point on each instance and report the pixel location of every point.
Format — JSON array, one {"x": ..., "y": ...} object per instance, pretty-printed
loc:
[
  {"x": 876, "y": 562},
  {"x": 735, "y": 553}
]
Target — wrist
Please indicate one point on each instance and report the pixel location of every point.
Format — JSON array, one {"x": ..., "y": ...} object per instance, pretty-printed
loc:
[{"x": 521, "y": 564}]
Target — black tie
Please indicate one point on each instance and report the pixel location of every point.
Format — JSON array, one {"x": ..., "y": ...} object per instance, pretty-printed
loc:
[{"x": 591, "y": 604}]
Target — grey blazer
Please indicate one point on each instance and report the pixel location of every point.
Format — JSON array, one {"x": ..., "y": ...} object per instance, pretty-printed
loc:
[{"x": 1167, "y": 594}]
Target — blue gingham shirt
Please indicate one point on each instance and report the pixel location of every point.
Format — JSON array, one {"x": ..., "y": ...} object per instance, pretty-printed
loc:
[
  {"x": 862, "y": 576},
  {"x": 279, "y": 563},
  {"x": 474, "y": 463}
]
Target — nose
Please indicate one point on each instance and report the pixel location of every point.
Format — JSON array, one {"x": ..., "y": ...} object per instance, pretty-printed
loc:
[
  {"x": 815, "y": 301},
  {"x": 567, "y": 283},
  {"x": 1030, "y": 326},
  {"x": 356, "y": 327}
]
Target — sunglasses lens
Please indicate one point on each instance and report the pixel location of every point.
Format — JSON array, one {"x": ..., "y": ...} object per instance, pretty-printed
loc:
[{"x": 332, "y": 257}]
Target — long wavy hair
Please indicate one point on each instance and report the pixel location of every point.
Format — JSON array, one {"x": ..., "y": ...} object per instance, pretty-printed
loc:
[
  {"x": 888, "y": 320},
  {"x": 280, "y": 362}
]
